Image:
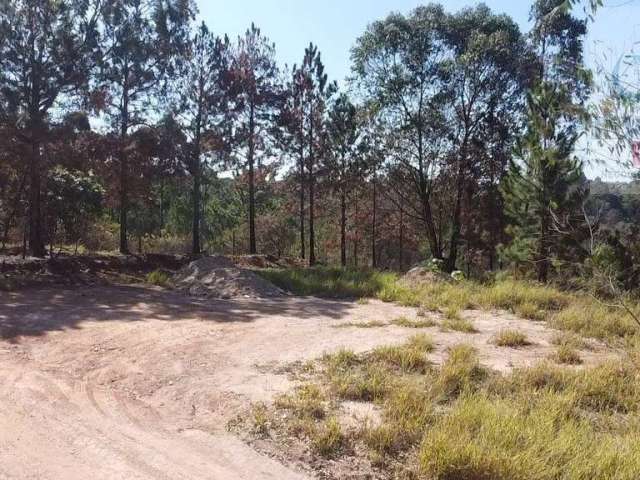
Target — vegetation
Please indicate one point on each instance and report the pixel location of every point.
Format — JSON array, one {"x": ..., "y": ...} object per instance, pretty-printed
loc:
[
  {"x": 462, "y": 421},
  {"x": 511, "y": 338}
]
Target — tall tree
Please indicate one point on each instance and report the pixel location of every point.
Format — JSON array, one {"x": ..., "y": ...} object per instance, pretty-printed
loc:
[
  {"x": 546, "y": 183},
  {"x": 315, "y": 92},
  {"x": 397, "y": 66},
  {"x": 343, "y": 131},
  {"x": 46, "y": 54},
  {"x": 484, "y": 83},
  {"x": 140, "y": 39},
  {"x": 255, "y": 94},
  {"x": 201, "y": 87}
]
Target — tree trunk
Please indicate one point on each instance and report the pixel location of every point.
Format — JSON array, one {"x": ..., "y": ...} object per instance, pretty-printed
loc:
[
  {"x": 374, "y": 260},
  {"x": 124, "y": 171},
  {"x": 455, "y": 222},
  {"x": 343, "y": 228},
  {"x": 196, "y": 247},
  {"x": 252, "y": 188},
  {"x": 302, "y": 238},
  {"x": 401, "y": 238},
  {"x": 36, "y": 242},
  {"x": 312, "y": 233}
]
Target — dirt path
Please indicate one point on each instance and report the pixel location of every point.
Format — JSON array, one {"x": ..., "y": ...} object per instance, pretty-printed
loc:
[{"x": 135, "y": 383}]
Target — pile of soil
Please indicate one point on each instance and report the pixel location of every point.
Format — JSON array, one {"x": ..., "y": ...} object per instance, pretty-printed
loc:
[
  {"x": 266, "y": 261},
  {"x": 219, "y": 277},
  {"x": 418, "y": 275}
]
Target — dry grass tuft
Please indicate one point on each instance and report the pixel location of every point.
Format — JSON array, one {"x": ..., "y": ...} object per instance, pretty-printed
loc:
[{"x": 510, "y": 338}]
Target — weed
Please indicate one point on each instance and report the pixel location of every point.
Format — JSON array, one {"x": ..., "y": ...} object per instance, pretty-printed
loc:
[
  {"x": 409, "y": 323},
  {"x": 159, "y": 278},
  {"x": 510, "y": 338},
  {"x": 328, "y": 440},
  {"x": 566, "y": 354},
  {"x": 459, "y": 325}
]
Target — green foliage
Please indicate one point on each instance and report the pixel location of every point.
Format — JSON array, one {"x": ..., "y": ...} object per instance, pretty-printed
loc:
[
  {"x": 331, "y": 282},
  {"x": 159, "y": 278}
]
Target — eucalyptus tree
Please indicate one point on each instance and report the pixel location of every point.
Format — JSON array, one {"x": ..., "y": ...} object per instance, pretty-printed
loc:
[
  {"x": 254, "y": 95},
  {"x": 140, "y": 41},
  {"x": 397, "y": 66},
  {"x": 47, "y": 51},
  {"x": 485, "y": 79}
]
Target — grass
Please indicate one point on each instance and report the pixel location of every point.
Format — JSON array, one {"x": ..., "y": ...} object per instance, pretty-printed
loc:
[
  {"x": 459, "y": 325},
  {"x": 369, "y": 324},
  {"x": 331, "y": 282},
  {"x": 510, "y": 338},
  {"x": 462, "y": 421},
  {"x": 567, "y": 355},
  {"x": 417, "y": 323},
  {"x": 572, "y": 312},
  {"x": 159, "y": 278},
  {"x": 328, "y": 439}
]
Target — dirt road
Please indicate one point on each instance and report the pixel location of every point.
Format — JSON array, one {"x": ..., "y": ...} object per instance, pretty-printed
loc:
[
  {"x": 137, "y": 383},
  {"x": 132, "y": 383}
]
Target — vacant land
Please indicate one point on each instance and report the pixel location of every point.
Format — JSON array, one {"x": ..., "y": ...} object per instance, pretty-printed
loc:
[{"x": 141, "y": 382}]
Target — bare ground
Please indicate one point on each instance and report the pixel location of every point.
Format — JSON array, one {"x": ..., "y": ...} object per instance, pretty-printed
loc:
[{"x": 138, "y": 383}]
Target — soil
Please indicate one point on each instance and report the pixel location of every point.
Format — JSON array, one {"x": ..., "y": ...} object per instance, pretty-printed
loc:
[
  {"x": 131, "y": 382},
  {"x": 219, "y": 277}
]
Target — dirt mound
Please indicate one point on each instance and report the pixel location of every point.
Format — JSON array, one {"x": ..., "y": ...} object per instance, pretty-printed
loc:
[
  {"x": 219, "y": 277},
  {"x": 266, "y": 261},
  {"x": 419, "y": 275}
]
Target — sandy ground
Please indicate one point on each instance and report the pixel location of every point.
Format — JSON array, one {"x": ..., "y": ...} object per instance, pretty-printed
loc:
[{"x": 138, "y": 383}]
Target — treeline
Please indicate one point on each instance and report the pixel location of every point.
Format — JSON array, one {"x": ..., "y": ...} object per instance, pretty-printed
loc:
[{"x": 453, "y": 139}]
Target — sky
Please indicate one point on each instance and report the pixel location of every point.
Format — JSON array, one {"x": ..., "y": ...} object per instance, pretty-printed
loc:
[{"x": 334, "y": 26}]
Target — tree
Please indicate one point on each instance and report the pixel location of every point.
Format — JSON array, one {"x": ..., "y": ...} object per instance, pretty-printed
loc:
[
  {"x": 546, "y": 185},
  {"x": 254, "y": 94},
  {"x": 343, "y": 134},
  {"x": 46, "y": 54},
  {"x": 315, "y": 92},
  {"x": 397, "y": 66},
  {"x": 202, "y": 110},
  {"x": 139, "y": 39},
  {"x": 484, "y": 82}
]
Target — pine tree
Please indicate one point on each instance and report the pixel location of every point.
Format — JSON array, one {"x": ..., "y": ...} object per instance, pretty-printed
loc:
[
  {"x": 546, "y": 185},
  {"x": 255, "y": 93}
]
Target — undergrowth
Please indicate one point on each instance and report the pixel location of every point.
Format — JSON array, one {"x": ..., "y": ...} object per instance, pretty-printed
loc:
[
  {"x": 568, "y": 311},
  {"x": 462, "y": 421}
]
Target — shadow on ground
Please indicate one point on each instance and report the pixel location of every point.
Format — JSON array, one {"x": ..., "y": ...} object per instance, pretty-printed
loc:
[{"x": 35, "y": 311}]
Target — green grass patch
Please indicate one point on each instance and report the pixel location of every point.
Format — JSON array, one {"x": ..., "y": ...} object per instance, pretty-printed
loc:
[{"x": 331, "y": 282}]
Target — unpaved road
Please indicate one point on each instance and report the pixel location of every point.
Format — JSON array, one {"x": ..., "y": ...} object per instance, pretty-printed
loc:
[{"x": 136, "y": 383}]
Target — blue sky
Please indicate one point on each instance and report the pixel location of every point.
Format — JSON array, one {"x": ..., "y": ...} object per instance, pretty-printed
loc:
[{"x": 334, "y": 25}]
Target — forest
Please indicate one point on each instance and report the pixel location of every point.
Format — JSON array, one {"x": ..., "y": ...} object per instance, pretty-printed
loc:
[
  {"x": 127, "y": 126},
  {"x": 214, "y": 265}
]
